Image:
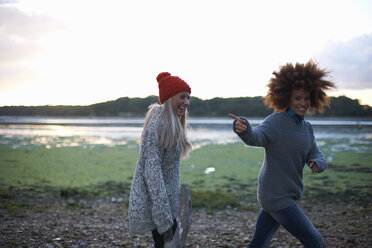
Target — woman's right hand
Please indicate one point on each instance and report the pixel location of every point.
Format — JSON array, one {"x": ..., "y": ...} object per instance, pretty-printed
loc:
[
  {"x": 240, "y": 124},
  {"x": 313, "y": 166}
]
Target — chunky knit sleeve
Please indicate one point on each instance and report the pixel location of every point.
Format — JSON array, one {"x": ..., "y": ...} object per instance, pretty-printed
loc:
[
  {"x": 258, "y": 136},
  {"x": 152, "y": 161},
  {"x": 314, "y": 154}
]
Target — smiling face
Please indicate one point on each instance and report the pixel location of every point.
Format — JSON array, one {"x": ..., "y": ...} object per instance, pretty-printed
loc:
[
  {"x": 180, "y": 102},
  {"x": 300, "y": 101}
]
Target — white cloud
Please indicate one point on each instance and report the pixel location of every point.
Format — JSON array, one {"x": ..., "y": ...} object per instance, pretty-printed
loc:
[
  {"x": 116, "y": 48},
  {"x": 350, "y": 62},
  {"x": 17, "y": 23},
  {"x": 21, "y": 36},
  {"x": 7, "y": 1}
]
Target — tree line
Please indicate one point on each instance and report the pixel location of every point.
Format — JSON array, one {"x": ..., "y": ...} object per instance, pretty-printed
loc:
[{"x": 341, "y": 106}]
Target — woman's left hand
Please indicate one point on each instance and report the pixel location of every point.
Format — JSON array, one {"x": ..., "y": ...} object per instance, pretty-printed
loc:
[
  {"x": 313, "y": 166},
  {"x": 168, "y": 235}
]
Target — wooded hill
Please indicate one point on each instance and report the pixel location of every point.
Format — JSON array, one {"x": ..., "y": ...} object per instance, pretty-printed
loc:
[{"x": 341, "y": 106}]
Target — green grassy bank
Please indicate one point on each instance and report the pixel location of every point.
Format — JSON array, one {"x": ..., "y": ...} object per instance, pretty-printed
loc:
[{"x": 100, "y": 170}]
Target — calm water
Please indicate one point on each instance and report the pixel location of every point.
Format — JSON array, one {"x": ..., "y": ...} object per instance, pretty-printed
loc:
[{"x": 348, "y": 133}]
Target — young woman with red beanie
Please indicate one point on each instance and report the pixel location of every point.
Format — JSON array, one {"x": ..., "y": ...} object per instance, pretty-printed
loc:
[
  {"x": 289, "y": 143},
  {"x": 153, "y": 203}
]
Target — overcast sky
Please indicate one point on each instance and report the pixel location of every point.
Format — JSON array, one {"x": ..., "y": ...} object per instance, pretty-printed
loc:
[{"x": 84, "y": 52}]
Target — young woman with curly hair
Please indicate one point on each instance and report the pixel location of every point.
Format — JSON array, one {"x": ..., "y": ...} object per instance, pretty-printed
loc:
[
  {"x": 153, "y": 203},
  {"x": 289, "y": 143}
]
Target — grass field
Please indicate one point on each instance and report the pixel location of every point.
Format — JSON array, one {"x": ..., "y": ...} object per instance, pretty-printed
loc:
[{"x": 98, "y": 169}]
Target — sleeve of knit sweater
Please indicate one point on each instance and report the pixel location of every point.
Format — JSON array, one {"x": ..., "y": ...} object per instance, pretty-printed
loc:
[
  {"x": 315, "y": 155},
  {"x": 160, "y": 211},
  {"x": 258, "y": 136}
]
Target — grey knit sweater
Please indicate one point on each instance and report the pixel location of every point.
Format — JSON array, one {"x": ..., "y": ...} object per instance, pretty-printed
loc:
[
  {"x": 288, "y": 146},
  {"x": 153, "y": 202}
]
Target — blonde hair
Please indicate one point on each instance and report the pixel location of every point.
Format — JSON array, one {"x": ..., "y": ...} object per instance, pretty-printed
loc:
[{"x": 171, "y": 130}]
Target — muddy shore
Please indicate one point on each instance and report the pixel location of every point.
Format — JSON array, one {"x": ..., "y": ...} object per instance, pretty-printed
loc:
[{"x": 103, "y": 222}]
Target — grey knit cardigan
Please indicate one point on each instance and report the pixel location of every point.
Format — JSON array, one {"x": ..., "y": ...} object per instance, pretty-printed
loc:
[{"x": 153, "y": 202}]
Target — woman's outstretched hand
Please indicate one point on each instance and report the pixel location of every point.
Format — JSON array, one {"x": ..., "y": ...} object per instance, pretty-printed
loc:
[{"x": 240, "y": 124}]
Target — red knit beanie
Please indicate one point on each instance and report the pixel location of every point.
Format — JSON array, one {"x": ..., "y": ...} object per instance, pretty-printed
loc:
[{"x": 170, "y": 86}]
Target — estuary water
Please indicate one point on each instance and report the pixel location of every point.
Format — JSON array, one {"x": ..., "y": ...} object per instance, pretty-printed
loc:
[{"x": 350, "y": 133}]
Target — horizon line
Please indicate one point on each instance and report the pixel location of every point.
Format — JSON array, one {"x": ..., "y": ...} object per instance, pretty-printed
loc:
[{"x": 204, "y": 99}]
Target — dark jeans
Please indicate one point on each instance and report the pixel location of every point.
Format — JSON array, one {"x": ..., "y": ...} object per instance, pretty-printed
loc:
[
  {"x": 158, "y": 238},
  {"x": 293, "y": 220}
]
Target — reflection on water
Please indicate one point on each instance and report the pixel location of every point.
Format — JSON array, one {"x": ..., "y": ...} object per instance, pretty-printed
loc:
[
  {"x": 137, "y": 121},
  {"x": 63, "y": 131},
  {"x": 344, "y": 134}
]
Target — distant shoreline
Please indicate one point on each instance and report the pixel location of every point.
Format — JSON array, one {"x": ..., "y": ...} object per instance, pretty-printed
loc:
[{"x": 341, "y": 106}]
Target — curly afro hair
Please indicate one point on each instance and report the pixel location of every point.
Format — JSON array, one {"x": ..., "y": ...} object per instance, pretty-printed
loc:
[{"x": 306, "y": 76}]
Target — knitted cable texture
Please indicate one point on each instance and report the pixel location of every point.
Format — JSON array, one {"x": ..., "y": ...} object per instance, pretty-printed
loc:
[
  {"x": 153, "y": 202},
  {"x": 170, "y": 85}
]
